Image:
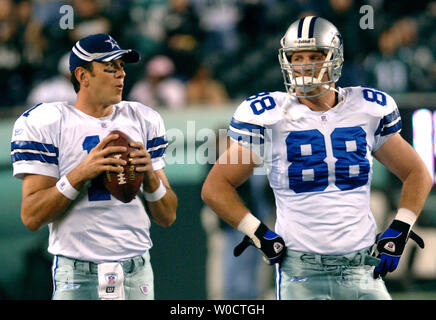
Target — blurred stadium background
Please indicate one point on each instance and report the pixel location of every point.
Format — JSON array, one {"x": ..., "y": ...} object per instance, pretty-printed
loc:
[{"x": 200, "y": 58}]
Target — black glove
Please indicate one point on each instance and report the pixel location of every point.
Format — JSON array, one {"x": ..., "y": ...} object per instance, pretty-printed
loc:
[
  {"x": 391, "y": 245},
  {"x": 270, "y": 244}
]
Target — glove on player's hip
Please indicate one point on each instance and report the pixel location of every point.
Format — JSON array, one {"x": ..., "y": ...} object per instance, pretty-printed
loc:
[{"x": 268, "y": 242}]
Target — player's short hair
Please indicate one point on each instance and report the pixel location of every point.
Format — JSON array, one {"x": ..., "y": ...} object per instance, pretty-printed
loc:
[{"x": 76, "y": 84}]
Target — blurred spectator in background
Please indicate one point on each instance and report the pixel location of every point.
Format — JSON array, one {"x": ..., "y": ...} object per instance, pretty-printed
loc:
[
  {"x": 427, "y": 20},
  {"x": 203, "y": 89},
  {"x": 252, "y": 24},
  {"x": 415, "y": 54},
  {"x": 218, "y": 20},
  {"x": 183, "y": 37},
  {"x": 56, "y": 40},
  {"x": 22, "y": 49},
  {"x": 57, "y": 88},
  {"x": 10, "y": 54},
  {"x": 159, "y": 88},
  {"x": 405, "y": 58},
  {"x": 30, "y": 36},
  {"x": 398, "y": 8},
  {"x": 88, "y": 19},
  {"x": 428, "y": 36},
  {"x": 386, "y": 71},
  {"x": 145, "y": 27},
  {"x": 47, "y": 12},
  {"x": 238, "y": 39},
  {"x": 345, "y": 14}
]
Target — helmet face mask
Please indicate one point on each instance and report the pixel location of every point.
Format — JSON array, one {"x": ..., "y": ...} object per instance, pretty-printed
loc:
[{"x": 311, "y": 34}]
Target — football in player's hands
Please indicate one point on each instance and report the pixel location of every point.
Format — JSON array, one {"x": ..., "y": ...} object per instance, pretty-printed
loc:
[{"x": 124, "y": 185}]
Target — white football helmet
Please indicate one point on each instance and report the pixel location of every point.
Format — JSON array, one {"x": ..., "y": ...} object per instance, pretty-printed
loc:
[{"x": 311, "y": 34}]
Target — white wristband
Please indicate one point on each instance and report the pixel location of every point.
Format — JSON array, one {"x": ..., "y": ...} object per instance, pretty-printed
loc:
[
  {"x": 249, "y": 225},
  {"x": 64, "y": 186},
  {"x": 157, "y": 194},
  {"x": 407, "y": 216}
]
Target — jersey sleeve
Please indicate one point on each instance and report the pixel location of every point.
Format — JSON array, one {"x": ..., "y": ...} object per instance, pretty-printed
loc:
[
  {"x": 247, "y": 128},
  {"x": 155, "y": 137},
  {"x": 389, "y": 124},
  {"x": 34, "y": 143}
]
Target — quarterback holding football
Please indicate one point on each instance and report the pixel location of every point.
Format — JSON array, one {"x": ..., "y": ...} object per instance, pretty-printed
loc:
[
  {"x": 318, "y": 142},
  {"x": 87, "y": 171}
]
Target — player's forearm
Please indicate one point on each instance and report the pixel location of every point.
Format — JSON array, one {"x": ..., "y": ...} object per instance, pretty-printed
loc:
[
  {"x": 77, "y": 178},
  {"x": 45, "y": 205},
  {"x": 222, "y": 198},
  {"x": 164, "y": 210},
  {"x": 416, "y": 187},
  {"x": 42, "y": 207}
]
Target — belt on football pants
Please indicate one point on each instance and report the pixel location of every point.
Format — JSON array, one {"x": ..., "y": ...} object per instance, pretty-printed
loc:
[
  {"x": 129, "y": 265},
  {"x": 362, "y": 257}
]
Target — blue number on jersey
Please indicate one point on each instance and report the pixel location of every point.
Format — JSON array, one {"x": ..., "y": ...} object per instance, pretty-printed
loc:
[
  {"x": 265, "y": 102},
  {"x": 352, "y": 166},
  {"x": 26, "y": 114},
  {"x": 96, "y": 191},
  {"x": 374, "y": 96},
  {"x": 308, "y": 171}
]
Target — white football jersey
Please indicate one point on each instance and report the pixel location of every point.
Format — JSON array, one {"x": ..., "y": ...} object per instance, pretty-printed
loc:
[
  {"x": 319, "y": 164},
  {"x": 51, "y": 139}
]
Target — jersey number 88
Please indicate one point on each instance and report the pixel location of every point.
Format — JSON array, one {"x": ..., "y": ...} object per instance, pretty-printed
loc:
[{"x": 308, "y": 171}]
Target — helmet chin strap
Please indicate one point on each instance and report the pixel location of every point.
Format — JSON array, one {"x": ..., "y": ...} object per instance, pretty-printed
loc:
[{"x": 339, "y": 97}]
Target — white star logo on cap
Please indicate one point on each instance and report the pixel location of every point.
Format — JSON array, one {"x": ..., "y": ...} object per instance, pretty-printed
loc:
[{"x": 112, "y": 42}]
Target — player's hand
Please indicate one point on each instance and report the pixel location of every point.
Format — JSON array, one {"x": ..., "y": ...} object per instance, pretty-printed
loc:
[
  {"x": 98, "y": 160},
  {"x": 140, "y": 158},
  {"x": 268, "y": 242},
  {"x": 391, "y": 245}
]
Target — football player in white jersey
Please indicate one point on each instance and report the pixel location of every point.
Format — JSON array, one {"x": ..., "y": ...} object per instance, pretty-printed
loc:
[
  {"x": 100, "y": 244},
  {"x": 317, "y": 143}
]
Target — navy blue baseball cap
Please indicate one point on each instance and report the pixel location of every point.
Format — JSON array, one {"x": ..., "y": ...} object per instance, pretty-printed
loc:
[{"x": 99, "y": 47}]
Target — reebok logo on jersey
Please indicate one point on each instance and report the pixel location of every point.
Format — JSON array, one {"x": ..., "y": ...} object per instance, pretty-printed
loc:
[{"x": 390, "y": 246}]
